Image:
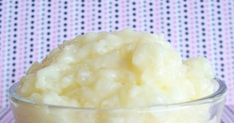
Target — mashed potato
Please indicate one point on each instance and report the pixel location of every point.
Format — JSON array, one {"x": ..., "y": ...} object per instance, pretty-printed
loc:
[{"x": 124, "y": 69}]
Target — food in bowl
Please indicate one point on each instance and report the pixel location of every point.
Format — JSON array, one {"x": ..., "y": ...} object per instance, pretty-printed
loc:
[{"x": 118, "y": 77}]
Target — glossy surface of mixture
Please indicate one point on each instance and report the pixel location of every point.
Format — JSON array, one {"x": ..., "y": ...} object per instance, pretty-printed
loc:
[{"x": 118, "y": 69}]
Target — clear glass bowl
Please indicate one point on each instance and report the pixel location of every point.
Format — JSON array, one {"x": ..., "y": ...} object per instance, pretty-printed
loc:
[{"x": 204, "y": 110}]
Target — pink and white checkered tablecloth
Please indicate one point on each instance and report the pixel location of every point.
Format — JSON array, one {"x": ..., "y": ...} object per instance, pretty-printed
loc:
[{"x": 29, "y": 29}]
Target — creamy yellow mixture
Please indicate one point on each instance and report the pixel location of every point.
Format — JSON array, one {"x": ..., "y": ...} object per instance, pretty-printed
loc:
[{"x": 117, "y": 70}]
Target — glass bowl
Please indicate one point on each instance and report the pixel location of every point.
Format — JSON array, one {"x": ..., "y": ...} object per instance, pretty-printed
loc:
[{"x": 204, "y": 110}]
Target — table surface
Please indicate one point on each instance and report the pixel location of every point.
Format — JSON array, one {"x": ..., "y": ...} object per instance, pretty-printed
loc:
[{"x": 29, "y": 29}]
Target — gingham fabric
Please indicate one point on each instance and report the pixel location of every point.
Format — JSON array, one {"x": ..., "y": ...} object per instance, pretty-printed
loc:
[{"x": 29, "y": 29}]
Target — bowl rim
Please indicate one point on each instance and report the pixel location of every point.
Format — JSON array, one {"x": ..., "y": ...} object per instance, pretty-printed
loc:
[{"x": 215, "y": 97}]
